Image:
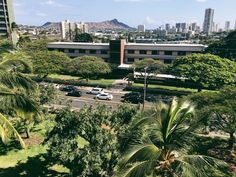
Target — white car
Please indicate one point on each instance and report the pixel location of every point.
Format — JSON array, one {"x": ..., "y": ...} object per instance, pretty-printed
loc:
[
  {"x": 96, "y": 91},
  {"x": 104, "y": 96}
]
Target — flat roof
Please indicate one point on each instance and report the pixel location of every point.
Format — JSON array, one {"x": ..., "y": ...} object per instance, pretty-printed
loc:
[
  {"x": 165, "y": 45},
  {"x": 78, "y": 43},
  {"x": 128, "y": 44}
]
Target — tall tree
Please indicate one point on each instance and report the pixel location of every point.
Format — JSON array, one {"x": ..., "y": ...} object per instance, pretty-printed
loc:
[
  {"x": 15, "y": 91},
  {"x": 150, "y": 65},
  {"x": 83, "y": 37},
  {"x": 206, "y": 70},
  {"x": 219, "y": 110},
  {"x": 163, "y": 148},
  {"x": 89, "y": 66},
  {"x": 225, "y": 48},
  {"x": 48, "y": 62}
]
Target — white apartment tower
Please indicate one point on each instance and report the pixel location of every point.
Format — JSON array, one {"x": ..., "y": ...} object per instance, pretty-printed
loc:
[
  {"x": 141, "y": 28},
  {"x": 227, "y": 26},
  {"x": 208, "y": 21},
  {"x": 69, "y": 29}
]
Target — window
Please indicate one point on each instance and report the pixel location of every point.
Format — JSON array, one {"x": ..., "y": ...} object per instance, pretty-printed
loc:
[
  {"x": 71, "y": 50},
  {"x": 167, "y": 61},
  {"x": 144, "y": 52},
  {"x": 50, "y": 49},
  {"x": 130, "y": 51},
  {"x": 181, "y": 53},
  {"x": 130, "y": 60},
  {"x": 61, "y": 50},
  {"x": 155, "y": 52},
  {"x": 92, "y": 51},
  {"x": 81, "y": 51},
  {"x": 168, "y": 52},
  {"x": 104, "y": 52}
]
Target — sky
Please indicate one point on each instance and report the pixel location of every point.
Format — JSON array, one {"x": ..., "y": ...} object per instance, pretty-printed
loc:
[{"x": 152, "y": 13}]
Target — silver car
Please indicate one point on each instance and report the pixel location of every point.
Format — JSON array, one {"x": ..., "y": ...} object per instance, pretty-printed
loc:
[
  {"x": 104, "y": 96},
  {"x": 95, "y": 91}
]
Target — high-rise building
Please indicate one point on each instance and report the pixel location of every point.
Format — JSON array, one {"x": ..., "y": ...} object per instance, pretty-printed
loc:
[
  {"x": 69, "y": 29},
  {"x": 235, "y": 26},
  {"x": 208, "y": 21},
  {"x": 193, "y": 26},
  {"x": 141, "y": 28},
  {"x": 6, "y": 18},
  {"x": 167, "y": 27},
  {"x": 227, "y": 26}
]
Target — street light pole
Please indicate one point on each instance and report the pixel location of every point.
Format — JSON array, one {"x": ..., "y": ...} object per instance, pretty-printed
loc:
[{"x": 145, "y": 86}]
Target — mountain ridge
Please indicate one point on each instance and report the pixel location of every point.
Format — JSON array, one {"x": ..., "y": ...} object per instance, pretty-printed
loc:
[{"x": 113, "y": 24}]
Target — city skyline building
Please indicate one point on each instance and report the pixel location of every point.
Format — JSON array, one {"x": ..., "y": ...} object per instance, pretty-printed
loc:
[
  {"x": 208, "y": 21},
  {"x": 141, "y": 28},
  {"x": 227, "y": 26}
]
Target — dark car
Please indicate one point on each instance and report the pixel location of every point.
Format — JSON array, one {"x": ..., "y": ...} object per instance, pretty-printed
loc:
[
  {"x": 75, "y": 93},
  {"x": 133, "y": 97},
  {"x": 68, "y": 88}
]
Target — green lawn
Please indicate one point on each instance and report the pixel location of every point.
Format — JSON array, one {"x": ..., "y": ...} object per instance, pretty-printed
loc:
[
  {"x": 164, "y": 87},
  {"x": 31, "y": 162},
  {"x": 91, "y": 81}
]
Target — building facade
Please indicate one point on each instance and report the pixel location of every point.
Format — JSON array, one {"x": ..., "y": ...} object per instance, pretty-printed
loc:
[
  {"x": 69, "y": 29},
  {"x": 227, "y": 26},
  {"x": 122, "y": 53},
  {"x": 141, "y": 28},
  {"x": 208, "y": 21},
  {"x": 6, "y": 18}
]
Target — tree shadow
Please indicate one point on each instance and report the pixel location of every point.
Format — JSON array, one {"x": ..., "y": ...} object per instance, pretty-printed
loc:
[
  {"x": 5, "y": 148},
  {"x": 37, "y": 166}
]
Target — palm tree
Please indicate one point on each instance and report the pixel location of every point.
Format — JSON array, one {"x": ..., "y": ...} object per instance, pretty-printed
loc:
[
  {"x": 16, "y": 91},
  {"x": 164, "y": 147}
]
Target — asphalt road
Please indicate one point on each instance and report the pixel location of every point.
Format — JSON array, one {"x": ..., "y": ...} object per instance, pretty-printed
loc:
[{"x": 88, "y": 99}]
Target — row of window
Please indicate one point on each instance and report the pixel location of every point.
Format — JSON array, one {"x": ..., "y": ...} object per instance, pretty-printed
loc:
[
  {"x": 82, "y": 51},
  {"x": 156, "y": 52}
]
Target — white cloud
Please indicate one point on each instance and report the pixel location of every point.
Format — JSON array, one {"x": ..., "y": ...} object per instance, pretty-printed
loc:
[
  {"x": 54, "y": 3},
  {"x": 150, "y": 20}
]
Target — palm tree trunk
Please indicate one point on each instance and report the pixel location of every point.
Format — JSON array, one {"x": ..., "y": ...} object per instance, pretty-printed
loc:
[
  {"x": 231, "y": 140},
  {"x": 27, "y": 132}
]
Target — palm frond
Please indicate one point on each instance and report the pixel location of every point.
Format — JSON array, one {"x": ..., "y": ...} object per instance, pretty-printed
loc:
[
  {"x": 18, "y": 80},
  {"x": 16, "y": 65},
  {"x": 197, "y": 165},
  {"x": 7, "y": 131}
]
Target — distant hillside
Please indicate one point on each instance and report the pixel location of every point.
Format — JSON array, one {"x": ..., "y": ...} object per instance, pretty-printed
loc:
[
  {"x": 112, "y": 24},
  {"x": 109, "y": 24},
  {"x": 51, "y": 25}
]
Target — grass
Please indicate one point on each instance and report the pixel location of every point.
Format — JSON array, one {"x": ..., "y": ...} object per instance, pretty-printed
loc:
[
  {"x": 31, "y": 162},
  {"x": 92, "y": 81},
  {"x": 153, "y": 86}
]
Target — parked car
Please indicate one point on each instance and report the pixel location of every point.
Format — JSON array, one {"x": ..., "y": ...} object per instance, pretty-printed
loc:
[
  {"x": 104, "y": 96},
  {"x": 95, "y": 91},
  {"x": 68, "y": 88},
  {"x": 133, "y": 97},
  {"x": 75, "y": 93}
]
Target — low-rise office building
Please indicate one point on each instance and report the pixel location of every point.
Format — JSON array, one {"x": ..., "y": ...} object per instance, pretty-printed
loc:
[{"x": 122, "y": 53}]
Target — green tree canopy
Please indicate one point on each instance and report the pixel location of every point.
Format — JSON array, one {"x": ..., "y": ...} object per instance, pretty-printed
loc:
[
  {"x": 48, "y": 62},
  {"x": 205, "y": 70},
  {"x": 164, "y": 146},
  {"x": 84, "y": 37},
  {"x": 89, "y": 66},
  {"x": 33, "y": 46},
  {"x": 218, "y": 109},
  {"x": 86, "y": 141},
  {"x": 225, "y": 48}
]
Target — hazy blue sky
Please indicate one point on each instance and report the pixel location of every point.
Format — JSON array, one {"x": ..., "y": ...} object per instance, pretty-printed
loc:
[{"x": 152, "y": 13}]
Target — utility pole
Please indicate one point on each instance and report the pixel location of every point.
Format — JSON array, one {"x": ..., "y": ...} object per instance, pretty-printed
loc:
[{"x": 145, "y": 86}]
